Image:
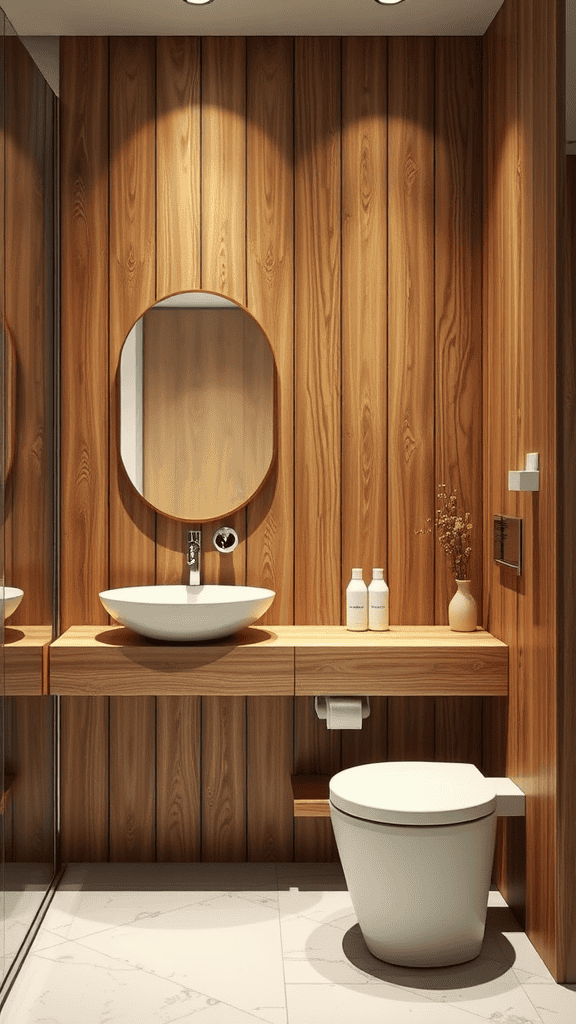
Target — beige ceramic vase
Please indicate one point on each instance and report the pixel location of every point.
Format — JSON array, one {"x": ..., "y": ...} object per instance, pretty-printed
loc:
[{"x": 462, "y": 610}]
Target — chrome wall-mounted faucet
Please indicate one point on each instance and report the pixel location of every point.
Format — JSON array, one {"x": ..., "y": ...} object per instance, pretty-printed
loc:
[{"x": 194, "y": 548}]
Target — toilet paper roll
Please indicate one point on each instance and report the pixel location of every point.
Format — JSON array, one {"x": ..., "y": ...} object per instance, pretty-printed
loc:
[{"x": 343, "y": 712}]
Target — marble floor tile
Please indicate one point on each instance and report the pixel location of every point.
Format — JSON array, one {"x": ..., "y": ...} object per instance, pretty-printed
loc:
[
  {"x": 70, "y": 984},
  {"x": 367, "y": 1004},
  {"x": 556, "y": 1004},
  {"x": 225, "y": 945}
]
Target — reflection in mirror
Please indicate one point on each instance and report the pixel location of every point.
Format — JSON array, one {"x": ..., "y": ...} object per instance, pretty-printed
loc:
[{"x": 197, "y": 406}]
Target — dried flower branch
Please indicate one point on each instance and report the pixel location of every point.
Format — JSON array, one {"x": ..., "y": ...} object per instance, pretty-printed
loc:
[{"x": 453, "y": 532}]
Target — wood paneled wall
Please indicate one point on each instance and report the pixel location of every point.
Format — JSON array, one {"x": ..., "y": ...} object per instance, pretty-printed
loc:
[
  {"x": 524, "y": 362},
  {"x": 333, "y": 186},
  {"x": 28, "y": 336}
]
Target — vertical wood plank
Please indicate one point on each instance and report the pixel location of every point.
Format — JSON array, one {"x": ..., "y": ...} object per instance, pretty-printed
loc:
[
  {"x": 541, "y": 76},
  {"x": 30, "y": 757},
  {"x": 567, "y": 591},
  {"x": 370, "y": 743},
  {"x": 458, "y": 316},
  {"x": 270, "y": 275},
  {"x": 223, "y": 779},
  {"x": 223, "y": 231},
  {"x": 178, "y": 779},
  {"x": 177, "y": 219},
  {"x": 84, "y": 804},
  {"x": 132, "y": 778},
  {"x": 224, "y": 228},
  {"x": 132, "y": 278},
  {"x": 317, "y": 324},
  {"x": 28, "y": 508},
  {"x": 84, "y": 330},
  {"x": 364, "y": 306},
  {"x": 270, "y": 801},
  {"x": 411, "y": 366},
  {"x": 317, "y": 384}
]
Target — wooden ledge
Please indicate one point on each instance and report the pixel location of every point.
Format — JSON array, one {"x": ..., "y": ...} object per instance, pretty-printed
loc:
[
  {"x": 311, "y": 796},
  {"x": 282, "y": 661},
  {"x": 26, "y": 660}
]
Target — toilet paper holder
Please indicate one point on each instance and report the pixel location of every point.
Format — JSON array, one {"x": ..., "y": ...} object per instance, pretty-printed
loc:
[{"x": 321, "y": 710}]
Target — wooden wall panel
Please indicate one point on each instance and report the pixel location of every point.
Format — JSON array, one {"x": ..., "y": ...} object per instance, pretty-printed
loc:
[
  {"x": 364, "y": 308},
  {"x": 84, "y": 330},
  {"x": 84, "y": 803},
  {"x": 411, "y": 483},
  {"x": 317, "y": 198},
  {"x": 525, "y": 358},
  {"x": 223, "y": 232},
  {"x": 178, "y": 754},
  {"x": 458, "y": 316},
  {"x": 132, "y": 278},
  {"x": 29, "y": 759},
  {"x": 132, "y": 778},
  {"x": 178, "y": 265},
  {"x": 232, "y": 167},
  {"x": 28, "y": 331},
  {"x": 270, "y": 297}
]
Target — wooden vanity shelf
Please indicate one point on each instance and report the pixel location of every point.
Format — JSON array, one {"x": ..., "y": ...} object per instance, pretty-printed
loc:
[
  {"x": 282, "y": 661},
  {"x": 26, "y": 660},
  {"x": 311, "y": 796}
]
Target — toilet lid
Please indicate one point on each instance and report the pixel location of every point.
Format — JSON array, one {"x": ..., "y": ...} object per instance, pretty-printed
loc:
[{"x": 413, "y": 792}]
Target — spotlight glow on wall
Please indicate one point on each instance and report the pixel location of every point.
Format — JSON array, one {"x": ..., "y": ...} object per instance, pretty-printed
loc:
[
  {"x": 198, "y": 2},
  {"x": 389, "y": 1}
]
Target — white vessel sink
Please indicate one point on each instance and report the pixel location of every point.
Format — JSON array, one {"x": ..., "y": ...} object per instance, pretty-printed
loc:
[
  {"x": 180, "y": 612},
  {"x": 11, "y": 597}
]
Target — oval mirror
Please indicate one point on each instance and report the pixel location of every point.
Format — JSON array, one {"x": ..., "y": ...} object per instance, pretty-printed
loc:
[{"x": 197, "y": 390}]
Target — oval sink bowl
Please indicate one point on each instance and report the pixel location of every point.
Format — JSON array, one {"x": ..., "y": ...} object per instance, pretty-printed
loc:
[
  {"x": 11, "y": 597},
  {"x": 179, "y": 612}
]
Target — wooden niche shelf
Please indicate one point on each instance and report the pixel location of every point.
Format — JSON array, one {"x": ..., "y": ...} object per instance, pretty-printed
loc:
[
  {"x": 26, "y": 660},
  {"x": 282, "y": 661}
]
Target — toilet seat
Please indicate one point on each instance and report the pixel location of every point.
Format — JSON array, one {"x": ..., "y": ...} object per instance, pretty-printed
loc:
[{"x": 413, "y": 792}]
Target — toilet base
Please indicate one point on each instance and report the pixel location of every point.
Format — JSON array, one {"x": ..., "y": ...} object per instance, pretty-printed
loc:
[{"x": 420, "y": 893}]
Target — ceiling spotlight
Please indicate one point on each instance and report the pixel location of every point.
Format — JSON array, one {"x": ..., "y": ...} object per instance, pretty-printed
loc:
[
  {"x": 198, "y": 2},
  {"x": 389, "y": 1}
]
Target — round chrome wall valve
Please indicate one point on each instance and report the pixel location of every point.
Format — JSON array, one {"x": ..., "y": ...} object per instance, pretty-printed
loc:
[{"x": 225, "y": 539}]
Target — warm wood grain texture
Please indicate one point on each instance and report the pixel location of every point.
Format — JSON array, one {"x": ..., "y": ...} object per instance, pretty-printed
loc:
[
  {"x": 364, "y": 308},
  {"x": 270, "y": 732},
  {"x": 317, "y": 751},
  {"x": 317, "y": 198},
  {"x": 178, "y": 266},
  {"x": 223, "y": 232},
  {"x": 221, "y": 112},
  {"x": 567, "y": 580},
  {"x": 132, "y": 278},
  {"x": 458, "y": 316},
  {"x": 524, "y": 248},
  {"x": 132, "y": 778},
  {"x": 417, "y": 672},
  {"x": 207, "y": 411},
  {"x": 28, "y": 213},
  {"x": 84, "y": 329},
  {"x": 270, "y": 297},
  {"x": 224, "y": 779},
  {"x": 84, "y": 803},
  {"x": 172, "y": 671},
  {"x": 27, "y": 729},
  {"x": 178, "y": 739},
  {"x": 26, "y": 659},
  {"x": 311, "y": 794},
  {"x": 411, "y": 485}
]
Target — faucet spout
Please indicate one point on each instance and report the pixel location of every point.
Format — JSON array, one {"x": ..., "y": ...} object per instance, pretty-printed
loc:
[{"x": 194, "y": 548}]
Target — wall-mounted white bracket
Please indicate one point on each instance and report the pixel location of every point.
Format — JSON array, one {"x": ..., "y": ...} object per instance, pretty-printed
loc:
[
  {"x": 510, "y": 800},
  {"x": 526, "y": 479}
]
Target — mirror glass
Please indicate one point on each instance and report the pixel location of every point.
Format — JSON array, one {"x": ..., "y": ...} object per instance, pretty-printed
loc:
[{"x": 197, "y": 406}]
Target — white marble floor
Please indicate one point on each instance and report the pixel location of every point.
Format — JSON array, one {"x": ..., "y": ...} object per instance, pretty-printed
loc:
[{"x": 240, "y": 943}]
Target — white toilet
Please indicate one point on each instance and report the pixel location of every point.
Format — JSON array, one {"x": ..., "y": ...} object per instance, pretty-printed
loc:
[{"x": 416, "y": 842}]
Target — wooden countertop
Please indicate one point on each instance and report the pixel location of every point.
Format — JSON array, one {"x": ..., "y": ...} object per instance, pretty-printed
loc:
[
  {"x": 26, "y": 659},
  {"x": 282, "y": 660}
]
